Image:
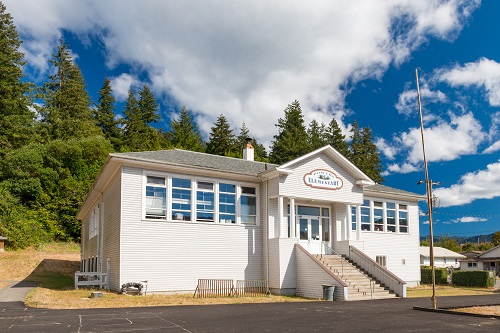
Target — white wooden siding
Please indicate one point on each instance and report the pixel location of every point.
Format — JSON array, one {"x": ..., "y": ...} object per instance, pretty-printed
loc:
[
  {"x": 311, "y": 276},
  {"x": 111, "y": 242},
  {"x": 172, "y": 256},
  {"x": 293, "y": 184}
]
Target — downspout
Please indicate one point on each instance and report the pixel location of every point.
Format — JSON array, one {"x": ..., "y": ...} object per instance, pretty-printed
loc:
[{"x": 267, "y": 231}]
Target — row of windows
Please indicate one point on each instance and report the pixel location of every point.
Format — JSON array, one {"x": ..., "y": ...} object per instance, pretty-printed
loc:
[
  {"x": 380, "y": 216},
  {"x": 188, "y": 200}
]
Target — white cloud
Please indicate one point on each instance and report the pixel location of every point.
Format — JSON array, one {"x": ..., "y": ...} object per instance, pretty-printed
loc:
[
  {"x": 122, "y": 84},
  {"x": 493, "y": 148},
  {"x": 483, "y": 73},
  {"x": 390, "y": 151},
  {"x": 441, "y": 140},
  {"x": 408, "y": 102},
  {"x": 468, "y": 219},
  {"x": 482, "y": 184},
  {"x": 248, "y": 59},
  {"x": 400, "y": 168}
]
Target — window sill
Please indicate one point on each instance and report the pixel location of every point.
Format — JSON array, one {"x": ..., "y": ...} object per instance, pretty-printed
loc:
[{"x": 199, "y": 222}]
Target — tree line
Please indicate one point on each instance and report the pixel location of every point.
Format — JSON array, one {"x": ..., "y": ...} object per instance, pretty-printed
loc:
[{"x": 54, "y": 139}]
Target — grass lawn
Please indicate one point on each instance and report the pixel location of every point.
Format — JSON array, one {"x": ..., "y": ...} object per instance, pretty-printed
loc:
[{"x": 426, "y": 291}]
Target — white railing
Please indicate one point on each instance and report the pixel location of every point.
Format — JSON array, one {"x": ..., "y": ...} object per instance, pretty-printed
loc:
[
  {"x": 342, "y": 259},
  {"x": 97, "y": 279},
  {"x": 378, "y": 271}
]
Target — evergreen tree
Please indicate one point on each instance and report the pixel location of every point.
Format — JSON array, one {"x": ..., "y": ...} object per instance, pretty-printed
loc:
[
  {"x": 364, "y": 153},
  {"x": 260, "y": 153},
  {"x": 105, "y": 115},
  {"x": 67, "y": 112},
  {"x": 221, "y": 140},
  {"x": 316, "y": 135},
  {"x": 16, "y": 120},
  {"x": 139, "y": 135},
  {"x": 335, "y": 138},
  {"x": 496, "y": 238},
  {"x": 292, "y": 140},
  {"x": 184, "y": 133}
]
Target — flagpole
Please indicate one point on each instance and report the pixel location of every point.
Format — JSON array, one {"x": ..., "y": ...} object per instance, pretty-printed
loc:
[{"x": 428, "y": 187}]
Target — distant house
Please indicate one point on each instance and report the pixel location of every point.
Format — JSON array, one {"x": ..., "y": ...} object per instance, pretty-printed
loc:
[
  {"x": 173, "y": 217},
  {"x": 443, "y": 258},
  {"x": 487, "y": 261}
]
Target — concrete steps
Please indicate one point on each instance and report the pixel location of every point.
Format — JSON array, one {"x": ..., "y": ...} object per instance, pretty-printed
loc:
[{"x": 361, "y": 285}]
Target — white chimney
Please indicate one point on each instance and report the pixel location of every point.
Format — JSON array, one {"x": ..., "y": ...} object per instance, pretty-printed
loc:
[{"x": 248, "y": 152}]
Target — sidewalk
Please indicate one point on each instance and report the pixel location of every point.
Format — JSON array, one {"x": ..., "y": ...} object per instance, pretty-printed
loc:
[{"x": 16, "y": 291}]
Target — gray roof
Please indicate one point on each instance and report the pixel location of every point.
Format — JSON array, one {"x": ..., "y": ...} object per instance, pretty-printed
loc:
[
  {"x": 440, "y": 252},
  {"x": 202, "y": 160},
  {"x": 386, "y": 189}
]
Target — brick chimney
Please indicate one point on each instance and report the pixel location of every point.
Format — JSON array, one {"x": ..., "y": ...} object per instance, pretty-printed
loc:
[{"x": 248, "y": 152}]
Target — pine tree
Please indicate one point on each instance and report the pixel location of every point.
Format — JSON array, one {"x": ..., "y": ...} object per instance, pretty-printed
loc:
[
  {"x": 260, "y": 153},
  {"x": 138, "y": 134},
  {"x": 184, "y": 133},
  {"x": 316, "y": 135},
  {"x": 105, "y": 115},
  {"x": 67, "y": 112},
  {"x": 292, "y": 140},
  {"x": 364, "y": 153},
  {"x": 221, "y": 140},
  {"x": 335, "y": 138},
  {"x": 16, "y": 120}
]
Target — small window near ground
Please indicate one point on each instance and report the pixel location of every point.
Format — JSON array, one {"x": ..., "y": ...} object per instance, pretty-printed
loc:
[{"x": 381, "y": 260}]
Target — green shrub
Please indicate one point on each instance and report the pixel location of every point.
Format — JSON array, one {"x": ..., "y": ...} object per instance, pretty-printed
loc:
[
  {"x": 426, "y": 275},
  {"x": 481, "y": 279}
]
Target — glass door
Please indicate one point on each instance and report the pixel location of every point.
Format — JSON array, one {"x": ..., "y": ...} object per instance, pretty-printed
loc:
[{"x": 310, "y": 233}]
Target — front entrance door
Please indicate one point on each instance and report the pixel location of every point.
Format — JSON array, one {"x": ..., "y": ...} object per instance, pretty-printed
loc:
[{"x": 310, "y": 233}]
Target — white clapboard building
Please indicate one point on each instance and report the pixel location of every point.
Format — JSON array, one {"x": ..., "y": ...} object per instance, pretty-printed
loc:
[{"x": 173, "y": 217}]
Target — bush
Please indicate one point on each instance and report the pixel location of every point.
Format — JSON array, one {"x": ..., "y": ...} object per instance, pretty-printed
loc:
[
  {"x": 481, "y": 279},
  {"x": 426, "y": 275}
]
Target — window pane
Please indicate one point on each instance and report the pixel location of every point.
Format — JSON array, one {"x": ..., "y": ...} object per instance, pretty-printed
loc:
[
  {"x": 205, "y": 206},
  {"x": 303, "y": 229},
  {"x": 312, "y": 211},
  {"x": 326, "y": 230},
  {"x": 227, "y": 203},
  {"x": 227, "y": 188},
  {"x": 182, "y": 183},
  {"x": 248, "y": 209},
  {"x": 325, "y": 212},
  {"x": 181, "y": 199},
  {"x": 205, "y": 186},
  {"x": 353, "y": 217},
  {"x": 156, "y": 202},
  {"x": 247, "y": 190},
  {"x": 156, "y": 180},
  {"x": 314, "y": 229}
]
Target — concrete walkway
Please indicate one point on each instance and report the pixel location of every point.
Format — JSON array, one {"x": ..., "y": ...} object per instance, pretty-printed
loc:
[{"x": 16, "y": 291}]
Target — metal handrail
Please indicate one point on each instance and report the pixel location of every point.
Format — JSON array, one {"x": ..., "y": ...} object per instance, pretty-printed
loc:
[
  {"x": 342, "y": 259},
  {"x": 376, "y": 264}
]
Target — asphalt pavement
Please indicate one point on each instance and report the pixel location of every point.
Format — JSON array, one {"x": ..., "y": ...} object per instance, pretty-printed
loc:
[{"x": 391, "y": 315}]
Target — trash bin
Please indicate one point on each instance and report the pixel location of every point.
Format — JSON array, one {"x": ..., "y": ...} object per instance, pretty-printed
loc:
[{"x": 328, "y": 292}]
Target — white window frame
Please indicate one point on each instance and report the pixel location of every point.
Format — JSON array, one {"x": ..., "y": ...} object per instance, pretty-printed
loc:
[
  {"x": 94, "y": 219},
  {"x": 193, "y": 202},
  {"x": 371, "y": 216}
]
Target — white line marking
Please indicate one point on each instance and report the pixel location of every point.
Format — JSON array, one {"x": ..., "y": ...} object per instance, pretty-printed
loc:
[
  {"x": 79, "y": 328},
  {"x": 168, "y": 321}
]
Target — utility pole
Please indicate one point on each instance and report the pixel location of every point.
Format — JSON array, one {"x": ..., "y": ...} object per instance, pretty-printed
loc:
[{"x": 428, "y": 187}]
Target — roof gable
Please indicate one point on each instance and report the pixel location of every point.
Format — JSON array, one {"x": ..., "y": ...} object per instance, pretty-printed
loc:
[{"x": 360, "y": 176}]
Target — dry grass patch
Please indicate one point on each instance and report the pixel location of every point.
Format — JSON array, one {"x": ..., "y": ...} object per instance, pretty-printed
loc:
[
  {"x": 61, "y": 258},
  {"x": 80, "y": 299},
  {"x": 426, "y": 291},
  {"x": 484, "y": 310}
]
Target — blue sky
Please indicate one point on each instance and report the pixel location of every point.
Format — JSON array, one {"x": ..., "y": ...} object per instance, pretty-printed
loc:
[{"x": 352, "y": 60}]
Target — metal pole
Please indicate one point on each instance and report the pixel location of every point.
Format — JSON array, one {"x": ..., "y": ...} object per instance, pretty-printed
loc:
[{"x": 428, "y": 184}]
